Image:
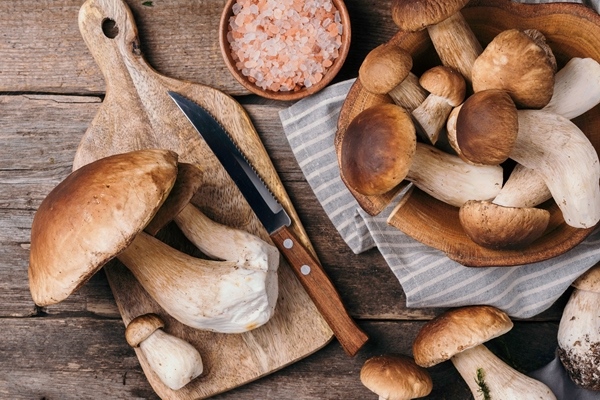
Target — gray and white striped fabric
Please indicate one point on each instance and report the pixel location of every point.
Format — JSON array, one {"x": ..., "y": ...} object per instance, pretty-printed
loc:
[{"x": 428, "y": 277}]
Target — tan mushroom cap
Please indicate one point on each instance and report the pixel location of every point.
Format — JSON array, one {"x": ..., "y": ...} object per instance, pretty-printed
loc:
[
  {"x": 395, "y": 377},
  {"x": 498, "y": 227},
  {"x": 445, "y": 82},
  {"x": 411, "y": 16},
  {"x": 384, "y": 68},
  {"x": 520, "y": 63},
  {"x": 377, "y": 149},
  {"x": 487, "y": 127},
  {"x": 590, "y": 280},
  {"x": 141, "y": 327},
  {"x": 93, "y": 215},
  {"x": 457, "y": 330}
]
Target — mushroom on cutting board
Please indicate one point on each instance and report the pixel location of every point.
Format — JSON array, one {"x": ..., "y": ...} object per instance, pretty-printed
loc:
[
  {"x": 379, "y": 150},
  {"x": 450, "y": 33},
  {"x": 446, "y": 89},
  {"x": 386, "y": 70},
  {"x": 395, "y": 377},
  {"x": 175, "y": 361},
  {"x": 458, "y": 335},
  {"x": 579, "y": 331},
  {"x": 519, "y": 62},
  {"x": 99, "y": 213}
]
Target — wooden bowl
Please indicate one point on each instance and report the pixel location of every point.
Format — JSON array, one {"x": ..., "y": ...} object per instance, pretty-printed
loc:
[
  {"x": 571, "y": 30},
  {"x": 284, "y": 95}
]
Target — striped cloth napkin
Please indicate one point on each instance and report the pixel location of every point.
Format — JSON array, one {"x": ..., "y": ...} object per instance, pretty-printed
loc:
[{"x": 428, "y": 277}]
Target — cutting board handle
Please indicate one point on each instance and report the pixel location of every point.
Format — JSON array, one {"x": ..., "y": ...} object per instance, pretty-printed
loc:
[{"x": 109, "y": 31}]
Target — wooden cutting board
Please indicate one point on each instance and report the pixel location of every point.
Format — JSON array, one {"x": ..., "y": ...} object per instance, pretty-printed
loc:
[{"x": 137, "y": 113}]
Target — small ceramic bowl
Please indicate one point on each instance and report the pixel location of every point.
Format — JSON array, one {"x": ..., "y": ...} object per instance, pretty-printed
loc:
[
  {"x": 571, "y": 30},
  {"x": 297, "y": 94}
]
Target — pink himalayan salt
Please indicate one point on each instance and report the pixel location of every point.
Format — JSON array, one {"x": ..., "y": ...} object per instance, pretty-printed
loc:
[{"x": 284, "y": 45}]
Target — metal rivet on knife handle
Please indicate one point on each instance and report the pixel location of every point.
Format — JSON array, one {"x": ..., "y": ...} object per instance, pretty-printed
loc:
[{"x": 321, "y": 290}]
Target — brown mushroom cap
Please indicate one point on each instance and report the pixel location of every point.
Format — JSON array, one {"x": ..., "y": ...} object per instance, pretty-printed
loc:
[
  {"x": 141, "y": 327},
  {"x": 384, "y": 68},
  {"x": 487, "y": 127},
  {"x": 445, "y": 82},
  {"x": 93, "y": 215},
  {"x": 395, "y": 377},
  {"x": 377, "y": 149},
  {"x": 514, "y": 61},
  {"x": 590, "y": 280},
  {"x": 498, "y": 227},
  {"x": 457, "y": 330},
  {"x": 411, "y": 16}
]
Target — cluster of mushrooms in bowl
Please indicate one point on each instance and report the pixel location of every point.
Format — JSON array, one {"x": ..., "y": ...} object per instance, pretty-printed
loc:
[{"x": 491, "y": 114}]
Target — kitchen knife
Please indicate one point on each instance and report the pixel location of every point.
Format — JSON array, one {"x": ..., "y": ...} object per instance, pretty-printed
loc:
[{"x": 277, "y": 223}]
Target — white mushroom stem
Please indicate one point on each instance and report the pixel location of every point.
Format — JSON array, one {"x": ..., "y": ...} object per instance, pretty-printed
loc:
[
  {"x": 456, "y": 44},
  {"x": 576, "y": 88},
  {"x": 488, "y": 377},
  {"x": 523, "y": 188},
  {"x": 408, "y": 94},
  {"x": 223, "y": 296},
  {"x": 432, "y": 115},
  {"x": 566, "y": 160},
  {"x": 579, "y": 338},
  {"x": 452, "y": 180}
]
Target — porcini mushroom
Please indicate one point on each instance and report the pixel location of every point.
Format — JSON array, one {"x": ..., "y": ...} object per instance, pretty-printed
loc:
[
  {"x": 579, "y": 331},
  {"x": 175, "y": 361},
  {"x": 576, "y": 88},
  {"x": 379, "y": 150},
  {"x": 395, "y": 377},
  {"x": 386, "y": 70},
  {"x": 99, "y": 212},
  {"x": 446, "y": 89},
  {"x": 519, "y": 62},
  {"x": 450, "y": 33},
  {"x": 458, "y": 335}
]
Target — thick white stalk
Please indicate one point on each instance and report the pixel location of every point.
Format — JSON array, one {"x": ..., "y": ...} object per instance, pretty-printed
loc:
[
  {"x": 450, "y": 179},
  {"x": 523, "y": 188},
  {"x": 431, "y": 116},
  {"x": 565, "y": 159},
  {"x": 408, "y": 94},
  {"x": 489, "y": 378}
]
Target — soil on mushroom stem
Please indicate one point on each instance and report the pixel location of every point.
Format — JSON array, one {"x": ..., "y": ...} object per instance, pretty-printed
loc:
[
  {"x": 582, "y": 370},
  {"x": 284, "y": 45}
]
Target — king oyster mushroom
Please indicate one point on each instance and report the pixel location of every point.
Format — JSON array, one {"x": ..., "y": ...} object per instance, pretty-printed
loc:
[
  {"x": 99, "y": 212},
  {"x": 175, "y": 361},
  {"x": 458, "y": 335},
  {"x": 579, "y": 331},
  {"x": 379, "y": 150}
]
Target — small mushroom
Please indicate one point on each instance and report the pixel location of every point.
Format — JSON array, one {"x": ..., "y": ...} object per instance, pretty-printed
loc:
[
  {"x": 446, "y": 89},
  {"x": 450, "y": 33},
  {"x": 386, "y": 70},
  {"x": 99, "y": 212},
  {"x": 458, "y": 335},
  {"x": 395, "y": 377},
  {"x": 175, "y": 361},
  {"x": 519, "y": 62},
  {"x": 379, "y": 150},
  {"x": 579, "y": 331}
]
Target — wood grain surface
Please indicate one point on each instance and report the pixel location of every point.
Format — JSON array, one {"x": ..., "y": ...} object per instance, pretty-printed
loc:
[{"x": 50, "y": 90}]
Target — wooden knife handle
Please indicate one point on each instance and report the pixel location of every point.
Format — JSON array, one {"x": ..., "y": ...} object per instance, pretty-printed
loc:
[{"x": 320, "y": 289}]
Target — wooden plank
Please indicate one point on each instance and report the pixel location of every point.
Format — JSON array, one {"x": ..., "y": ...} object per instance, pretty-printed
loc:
[
  {"x": 42, "y": 49},
  {"x": 88, "y": 358}
]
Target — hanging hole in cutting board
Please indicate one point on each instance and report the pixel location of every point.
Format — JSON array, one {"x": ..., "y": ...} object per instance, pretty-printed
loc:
[{"x": 110, "y": 28}]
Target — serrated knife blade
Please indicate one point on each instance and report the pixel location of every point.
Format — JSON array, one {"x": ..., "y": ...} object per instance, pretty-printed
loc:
[{"x": 277, "y": 223}]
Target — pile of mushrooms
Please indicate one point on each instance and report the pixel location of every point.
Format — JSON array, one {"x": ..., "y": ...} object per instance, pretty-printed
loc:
[
  {"x": 112, "y": 207},
  {"x": 506, "y": 101}
]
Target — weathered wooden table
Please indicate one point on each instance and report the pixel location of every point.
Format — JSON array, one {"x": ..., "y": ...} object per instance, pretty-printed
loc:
[{"x": 50, "y": 89}]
